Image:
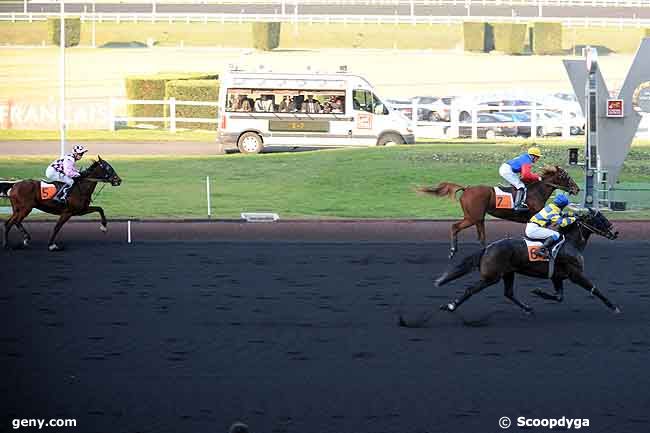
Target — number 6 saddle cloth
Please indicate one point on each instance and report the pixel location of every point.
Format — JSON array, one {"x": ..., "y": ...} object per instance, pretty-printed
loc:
[{"x": 534, "y": 255}]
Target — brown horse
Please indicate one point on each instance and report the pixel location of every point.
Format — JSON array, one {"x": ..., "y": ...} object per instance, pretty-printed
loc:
[
  {"x": 26, "y": 195},
  {"x": 476, "y": 201}
]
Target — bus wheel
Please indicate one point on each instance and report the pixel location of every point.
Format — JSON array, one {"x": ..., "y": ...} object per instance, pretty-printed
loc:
[
  {"x": 390, "y": 139},
  {"x": 250, "y": 142}
]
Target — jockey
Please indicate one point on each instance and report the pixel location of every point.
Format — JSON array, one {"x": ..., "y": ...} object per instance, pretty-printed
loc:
[
  {"x": 553, "y": 213},
  {"x": 64, "y": 170},
  {"x": 521, "y": 165}
]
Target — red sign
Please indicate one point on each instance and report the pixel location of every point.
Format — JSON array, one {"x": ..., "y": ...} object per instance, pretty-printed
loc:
[
  {"x": 614, "y": 108},
  {"x": 364, "y": 121}
]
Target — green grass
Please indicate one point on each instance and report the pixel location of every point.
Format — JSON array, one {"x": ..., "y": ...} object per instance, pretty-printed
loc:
[
  {"x": 101, "y": 135},
  {"x": 346, "y": 183}
]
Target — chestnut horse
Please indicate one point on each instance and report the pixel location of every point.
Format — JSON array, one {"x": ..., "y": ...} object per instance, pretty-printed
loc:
[
  {"x": 479, "y": 200},
  {"x": 26, "y": 195}
]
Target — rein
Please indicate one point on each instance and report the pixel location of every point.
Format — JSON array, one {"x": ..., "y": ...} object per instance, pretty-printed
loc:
[
  {"x": 591, "y": 228},
  {"x": 555, "y": 185}
]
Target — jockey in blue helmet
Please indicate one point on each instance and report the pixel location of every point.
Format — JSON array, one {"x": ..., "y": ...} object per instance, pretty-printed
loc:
[{"x": 552, "y": 214}]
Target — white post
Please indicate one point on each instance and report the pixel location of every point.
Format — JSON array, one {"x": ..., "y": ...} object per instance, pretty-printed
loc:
[
  {"x": 284, "y": 7},
  {"x": 474, "y": 123},
  {"x": 172, "y": 115},
  {"x": 128, "y": 231},
  {"x": 153, "y": 7},
  {"x": 94, "y": 31},
  {"x": 566, "y": 124},
  {"x": 62, "y": 78},
  {"x": 111, "y": 114},
  {"x": 207, "y": 188},
  {"x": 25, "y": 6},
  {"x": 533, "y": 121}
]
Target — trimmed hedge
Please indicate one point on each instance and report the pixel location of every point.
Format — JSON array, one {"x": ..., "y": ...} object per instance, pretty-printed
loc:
[
  {"x": 194, "y": 90},
  {"x": 547, "y": 38},
  {"x": 474, "y": 37},
  {"x": 72, "y": 31},
  {"x": 509, "y": 38},
  {"x": 153, "y": 87},
  {"x": 266, "y": 36}
]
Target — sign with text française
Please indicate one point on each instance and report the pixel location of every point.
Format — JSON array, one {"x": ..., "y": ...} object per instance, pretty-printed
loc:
[{"x": 614, "y": 108}]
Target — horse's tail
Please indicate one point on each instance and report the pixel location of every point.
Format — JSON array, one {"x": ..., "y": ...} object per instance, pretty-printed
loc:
[
  {"x": 467, "y": 265},
  {"x": 443, "y": 189},
  {"x": 4, "y": 188}
]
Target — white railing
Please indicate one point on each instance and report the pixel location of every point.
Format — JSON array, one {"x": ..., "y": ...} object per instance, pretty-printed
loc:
[
  {"x": 455, "y": 128},
  {"x": 170, "y": 120},
  {"x": 291, "y": 3},
  {"x": 327, "y": 19}
]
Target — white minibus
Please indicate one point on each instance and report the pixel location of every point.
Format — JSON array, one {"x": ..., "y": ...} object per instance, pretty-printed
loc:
[{"x": 274, "y": 109}]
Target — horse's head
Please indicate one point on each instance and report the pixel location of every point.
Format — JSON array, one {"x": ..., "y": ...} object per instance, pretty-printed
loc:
[
  {"x": 559, "y": 177},
  {"x": 103, "y": 171},
  {"x": 597, "y": 223}
]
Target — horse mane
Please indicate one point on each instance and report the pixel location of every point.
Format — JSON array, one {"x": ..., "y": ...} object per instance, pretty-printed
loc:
[
  {"x": 86, "y": 171},
  {"x": 549, "y": 170}
]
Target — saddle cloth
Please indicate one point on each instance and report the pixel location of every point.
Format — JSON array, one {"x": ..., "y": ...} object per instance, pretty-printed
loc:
[
  {"x": 534, "y": 256},
  {"x": 48, "y": 190},
  {"x": 534, "y": 246},
  {"x": 503, "y": 199}
]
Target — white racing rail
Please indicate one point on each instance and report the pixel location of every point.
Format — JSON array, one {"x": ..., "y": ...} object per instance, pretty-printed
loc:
[
  {"x": 171, "y": 120},
  {"x": 118, "y": 17}
]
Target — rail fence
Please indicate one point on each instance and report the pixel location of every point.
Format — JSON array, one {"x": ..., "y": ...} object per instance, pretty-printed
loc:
[
  {"x": 99, "y": 17},
  {"x": 532, "y": 3},
  {"x": 170, "y": 120}
]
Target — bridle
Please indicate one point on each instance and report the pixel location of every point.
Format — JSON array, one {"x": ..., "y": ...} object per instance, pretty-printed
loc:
[{"x": 582, "y": 224}]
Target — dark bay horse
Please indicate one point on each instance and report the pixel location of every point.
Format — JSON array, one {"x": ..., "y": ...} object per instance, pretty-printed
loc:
[
  {"x": 502, "y": 259},
  {"x": 25, "y": 196},
  {"x": 479, "y": 200}
]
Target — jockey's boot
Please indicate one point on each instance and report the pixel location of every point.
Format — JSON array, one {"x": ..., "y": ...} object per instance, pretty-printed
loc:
[
  {"x": 547, "y": 246},
  {"x": 62, "y": 196},
  {"x": 520, "y": 201}
]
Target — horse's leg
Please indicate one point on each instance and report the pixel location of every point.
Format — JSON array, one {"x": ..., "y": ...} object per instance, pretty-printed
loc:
[
  {"x": 480, "y": 231},
  {"x": 5, "y": 232},
  {"x": 65, "y": 216},
  {"x": 578, "y": 277},
  {"x": 455, "y": 228},
  {"x": 99, "y": 210},
  {"x": 26, "y": 237},
  {"x": 469, "y": 291},
  {"x": 509, "y": 292},
  {"x": 19, "y": 214},
  {"x": 558, "y": 296}
]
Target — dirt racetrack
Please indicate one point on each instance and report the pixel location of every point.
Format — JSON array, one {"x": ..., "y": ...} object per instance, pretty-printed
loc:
[{"x": 300, "y": 335}]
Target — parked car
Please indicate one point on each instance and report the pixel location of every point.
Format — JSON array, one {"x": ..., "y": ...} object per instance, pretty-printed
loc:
[
  {"x": 406, "y": 107},
  {"x": 491, "y": 131},
  {"x": 442, "y": 107}
]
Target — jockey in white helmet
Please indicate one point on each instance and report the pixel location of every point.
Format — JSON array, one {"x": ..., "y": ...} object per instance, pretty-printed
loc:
[{"x": 64, "y": 170}]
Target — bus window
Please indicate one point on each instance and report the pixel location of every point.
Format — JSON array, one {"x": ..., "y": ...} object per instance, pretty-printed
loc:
[
  {"x": 286, "y": 100},
  {"x": 362, "y": 100}
]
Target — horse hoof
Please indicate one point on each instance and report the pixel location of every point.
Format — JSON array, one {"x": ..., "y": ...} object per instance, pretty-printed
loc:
[
  {"x": 448, "y": 307},
  {"x": 55, "y": 247},
  {"x": 26, "y": 242},
  {"x": 617, "y": 311},
  {"x": 103, "y": 228}
]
